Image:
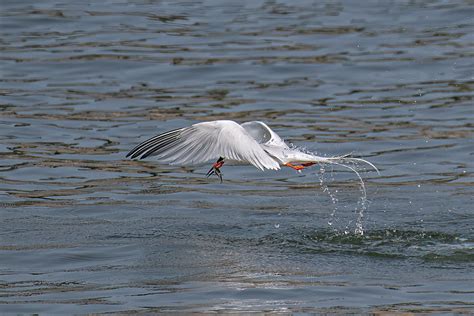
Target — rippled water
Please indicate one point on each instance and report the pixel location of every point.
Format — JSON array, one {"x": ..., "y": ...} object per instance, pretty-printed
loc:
[{"x": 85, "y": 230}]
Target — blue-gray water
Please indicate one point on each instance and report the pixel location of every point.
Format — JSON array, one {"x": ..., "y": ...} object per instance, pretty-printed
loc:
[{"x": 83, "y": 230}]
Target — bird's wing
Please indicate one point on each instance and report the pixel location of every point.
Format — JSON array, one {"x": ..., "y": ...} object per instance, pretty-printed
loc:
[
  {"x": 206, "y": 141},
  {"x": 263, "y": 134},
  {"x": 269, "y": 140}
]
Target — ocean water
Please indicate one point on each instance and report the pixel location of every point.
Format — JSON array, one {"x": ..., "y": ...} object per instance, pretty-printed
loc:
[{"x": 85, "y": 230}]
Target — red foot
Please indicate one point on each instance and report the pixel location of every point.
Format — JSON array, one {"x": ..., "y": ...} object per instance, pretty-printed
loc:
[
  {"x": 300, "y": 167},
  {"x": 294, "y": 167}
]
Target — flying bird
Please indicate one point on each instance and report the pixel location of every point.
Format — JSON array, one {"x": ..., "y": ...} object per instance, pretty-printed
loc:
[{"x": 229, "y": 142}]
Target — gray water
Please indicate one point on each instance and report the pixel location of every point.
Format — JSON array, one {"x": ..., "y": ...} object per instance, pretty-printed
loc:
[{"x": 84, "y": 230}]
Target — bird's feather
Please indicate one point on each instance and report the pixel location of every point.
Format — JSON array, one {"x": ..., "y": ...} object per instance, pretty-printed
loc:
[{"x": 206, "y": 141}]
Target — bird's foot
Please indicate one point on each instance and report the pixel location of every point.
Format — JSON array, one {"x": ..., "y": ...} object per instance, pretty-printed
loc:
[
  {"x": 299, "y": 167},
  {"x": 216, "y": 169}
]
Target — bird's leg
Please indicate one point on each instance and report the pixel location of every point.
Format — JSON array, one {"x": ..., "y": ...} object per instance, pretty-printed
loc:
[
  {"x": 216, "y": 168},
  {"x": 297, "y": 168},
  {"x": 300, "y": 167}
]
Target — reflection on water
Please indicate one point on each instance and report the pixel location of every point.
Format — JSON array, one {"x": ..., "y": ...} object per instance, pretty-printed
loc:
[{"x": 84, "y": 230}]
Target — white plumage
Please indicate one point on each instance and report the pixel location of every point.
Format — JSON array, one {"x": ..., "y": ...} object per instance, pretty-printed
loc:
[{"x": 252, "y": 143}]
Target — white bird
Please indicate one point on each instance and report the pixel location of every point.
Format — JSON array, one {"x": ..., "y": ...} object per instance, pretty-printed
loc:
[{"x": 227, "y": 141}]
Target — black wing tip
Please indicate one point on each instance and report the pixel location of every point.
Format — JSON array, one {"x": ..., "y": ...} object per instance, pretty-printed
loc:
[
  {"x": 142, "y": 150},
  {"x": 145, "y": 155},
  {"x": 133, "y": 154}
]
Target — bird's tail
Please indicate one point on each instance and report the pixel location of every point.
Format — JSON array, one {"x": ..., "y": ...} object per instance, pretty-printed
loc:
[{"x": 343, "y": 160}]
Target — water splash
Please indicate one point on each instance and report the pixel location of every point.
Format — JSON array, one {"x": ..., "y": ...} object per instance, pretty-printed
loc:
[
  {"x": 362, "y": 203},
  {"x": 325, "y": 189}
]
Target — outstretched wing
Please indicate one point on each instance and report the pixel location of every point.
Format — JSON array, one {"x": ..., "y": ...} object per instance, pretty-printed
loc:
[
  {"x": 268, "y": 140},
  {"x": 203, "y": 142},
  {"x": 263, "y": 134}
]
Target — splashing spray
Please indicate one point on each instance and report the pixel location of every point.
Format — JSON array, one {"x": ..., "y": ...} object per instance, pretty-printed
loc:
[{"x": 351, "y": 164}]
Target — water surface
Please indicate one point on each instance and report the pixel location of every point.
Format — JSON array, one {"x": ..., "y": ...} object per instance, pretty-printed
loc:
[{"x": 83, "y": 230}]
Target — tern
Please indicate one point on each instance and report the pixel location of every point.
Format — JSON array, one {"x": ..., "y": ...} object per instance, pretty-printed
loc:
[{"x": 227, "y": 141}]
